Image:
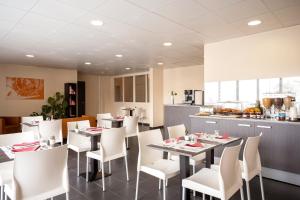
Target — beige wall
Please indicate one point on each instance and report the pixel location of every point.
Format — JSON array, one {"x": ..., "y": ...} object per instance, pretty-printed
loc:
[
  {"x": 54, "y": 80},
  {"x": 180, "y": 79},
  {"x": 264, "y": 55},
  {"x": 92, "y": 93}
]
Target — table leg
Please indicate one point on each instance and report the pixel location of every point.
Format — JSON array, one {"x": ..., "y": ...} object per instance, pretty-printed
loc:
[
  {"x": 209, "y": 158},
  {"x": 184, "y": 173},
  {"x": 131, "y": 112}
]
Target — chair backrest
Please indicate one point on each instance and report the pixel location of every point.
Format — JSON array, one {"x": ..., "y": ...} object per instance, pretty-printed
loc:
[
  {"x": 131, "y": 125},
  {"x": 83, "y": 124},
  {"x": 230, "y": 171},
  {"x": 176, "y": 131},
  {"x": 146, "y": 154},
  {"x": 123, "y": 111},
  {"x": 113, "y": 143},
  {"x": 251, "y": 158},
  {"x": 75, "y": 138},
  {"x": 31, "y": 167},
  {"x": 51, "y": 128},
  {"x": 30, "y": 119},
  {"x": 15, "y": 138},
  {"x": 104, "y": 123}
]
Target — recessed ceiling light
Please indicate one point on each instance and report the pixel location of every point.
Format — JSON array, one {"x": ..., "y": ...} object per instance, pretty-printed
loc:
[
  {"x": 128, "y": 68},
  {"x": 119, "y": 55},
  {"x": 97, "y": 22},
  {"x": 30, "y": 55},
  {"x": 254, "y": 23},
  {"x": 160, "y": 63},
  {"x": 87, "y": 63},
  {"x": 167, "y": 44}
]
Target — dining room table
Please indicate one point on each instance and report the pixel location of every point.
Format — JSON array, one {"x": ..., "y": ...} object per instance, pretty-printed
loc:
[
  {"x": 130, "y": 110},
  {"x": 185, "y": 149},
  {"x": 94, "y": 133}
]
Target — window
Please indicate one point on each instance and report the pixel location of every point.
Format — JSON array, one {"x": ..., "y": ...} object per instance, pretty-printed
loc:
[
  {"x": 228, "y": 91},
  {"x": 140, "y": 88},
  {"x": 211, "y": 92},
  {"x": 248, "y": 91},
  {"x": 118, "y": 82},
  {"x": 128, "y": 89},
  {"x": 291, "y": 85},
  {"x": 267, "y": 86}
]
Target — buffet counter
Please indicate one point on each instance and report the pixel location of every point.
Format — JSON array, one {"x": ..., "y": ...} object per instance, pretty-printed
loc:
[{"x": 279, "y": 146}]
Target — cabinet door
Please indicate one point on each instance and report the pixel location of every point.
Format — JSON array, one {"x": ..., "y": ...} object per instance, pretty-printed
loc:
[
  {"x": 210, "y": 125},
  {"x": 197, "y": 124},
  {"x": 266, "y": 143},
  {"x": 280, "y": 147},
  {"x": 238, "y": 128}
]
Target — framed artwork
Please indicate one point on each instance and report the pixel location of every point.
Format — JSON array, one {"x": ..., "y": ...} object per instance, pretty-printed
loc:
[{"x": 24, "y": 88}]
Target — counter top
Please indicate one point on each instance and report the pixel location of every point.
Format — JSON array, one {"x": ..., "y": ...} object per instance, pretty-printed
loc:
[
  {"x": 247, "y": 119},
  {"x": 182, "y": 105}
]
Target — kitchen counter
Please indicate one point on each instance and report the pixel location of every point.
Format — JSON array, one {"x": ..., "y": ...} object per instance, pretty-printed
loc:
[
  {"x": 279, "y": 146},
  {"x": 182, "y": 104},
  {"x": 248, "y": 119}
]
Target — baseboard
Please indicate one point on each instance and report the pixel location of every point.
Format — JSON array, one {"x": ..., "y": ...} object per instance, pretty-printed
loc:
[{"x": 277, "y": 175}]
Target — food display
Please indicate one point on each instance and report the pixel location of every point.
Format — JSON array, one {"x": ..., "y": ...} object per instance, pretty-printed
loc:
[
  {"x": 267, "y": 102},
  {"x": 278, "y": 103}
]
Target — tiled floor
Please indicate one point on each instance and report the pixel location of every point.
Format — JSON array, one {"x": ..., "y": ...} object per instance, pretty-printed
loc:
[{"x": 117, "y": 188}]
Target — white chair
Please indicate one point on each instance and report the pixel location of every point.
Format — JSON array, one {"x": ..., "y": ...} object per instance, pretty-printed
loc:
[
  {"x": 112, "y": 146},
  {"x": 51, "y": 128},
  {"x": 104, "y": 123},
  {"x": 29, "y": 170},
  {"x": 251, "y": 165},
  {"x": 131, "y": 127},
  {"x": 179, "y": 131},
  {"x": 76, "y": 142},
  {"x": 222, "y": 183},
  {"x": 140, "y": 113},
  {"x": 124, "y": 112},
  {"x": 151, "y": 161},
  {"x": 6, "y": 168},
  {"x": 30, "y": 119}
]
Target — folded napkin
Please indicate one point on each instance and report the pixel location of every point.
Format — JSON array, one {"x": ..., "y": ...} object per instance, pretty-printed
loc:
[
  {"x": 180, "y": 138},
  {"x": 27, "y": 144},
  {"x": 167, "y": 141},
  {"x": 26, "y": 149},
  {"x": 197, "y": 144},
  {"x": 94, "y": 129},
  {"x": 224, "y": 136}
]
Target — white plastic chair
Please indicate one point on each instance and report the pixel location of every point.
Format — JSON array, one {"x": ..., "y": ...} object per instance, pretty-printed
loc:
[
  {"x": 30, "y": 119},
  {"x": 222, "y": 183},
  {"x": 131, "y": 127},
  {"x": 112, "y": 146},
  {"x": 251, "y": 164},
  {"x": 30, "y": 167},
  {"x": 6, "y": 168},
  {"x": 104, "y": 123},
  {"x": 140, "y": 113},
  {"x": 51, "y": 128},
  {"x": 179, "y": 131},
  {"x": 76, "y": 142},
  {"x": 151, "y": 161}
]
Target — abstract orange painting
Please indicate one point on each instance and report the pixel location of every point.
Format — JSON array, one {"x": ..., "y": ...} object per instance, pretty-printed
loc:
[{"x": 24, "y": 88}]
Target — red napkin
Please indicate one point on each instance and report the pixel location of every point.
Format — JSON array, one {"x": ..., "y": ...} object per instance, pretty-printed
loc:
[
  {"x": 27, "y": 144},
  {"x": 198, "y": 144},
  {"x": 33, "y": 148},
  {"x": 225, "y": 136},
  {"x": 198, "y": 134},
  {"x": 94, "y": 129},
  {"x": 167, "y": 141},
  {"x": 180, "y": 138}
]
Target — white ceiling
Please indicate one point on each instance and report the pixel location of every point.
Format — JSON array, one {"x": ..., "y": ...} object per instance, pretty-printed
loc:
[{"x": 59, "y": 33}]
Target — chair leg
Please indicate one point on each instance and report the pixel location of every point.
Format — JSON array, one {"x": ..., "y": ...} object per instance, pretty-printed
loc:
[
  {"x": 242, "y": 193},
  {"x": 159, "y": 184},
  {"x": 167, "y": 180},
  {"x": 261, "y": 187},
  {"x": 210, "y": 197},
  {"x": 183, "y": 193},
  {"x": 103, "y": 181},
  {"x": 248, "y": 190},
  {"x": 127, "y": 142},
  {"x": 126, "y": 165},
  {"x": 5, "y": 197},
  {"x": 51, "y": 198},
  {"x": 137, "y": 185},
  {"x": 164, "y": 188},
  {"x": 67, "y": 196},
  {"x": 203, "y": 196},
  {"x": 2, "y": 191},
  {"x": 87, "y": 170},
  {"x": 109, "y": 167},
  {"x": 194, "y": 170},
  {"x": 78, "y": 165}
]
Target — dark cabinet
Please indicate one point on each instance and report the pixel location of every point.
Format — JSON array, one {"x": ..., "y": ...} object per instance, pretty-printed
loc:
[
  {"x": 75, "y": 98},
  {"x": 81, "y": 97}
]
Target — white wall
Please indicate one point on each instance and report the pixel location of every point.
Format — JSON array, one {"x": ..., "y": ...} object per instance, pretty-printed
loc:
[
  {"x": 263, "y": 55},
  {"x": 54, "y": 80},
  {"x": 180, "y": 79},
  {"x": 92, "y": 93}
]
